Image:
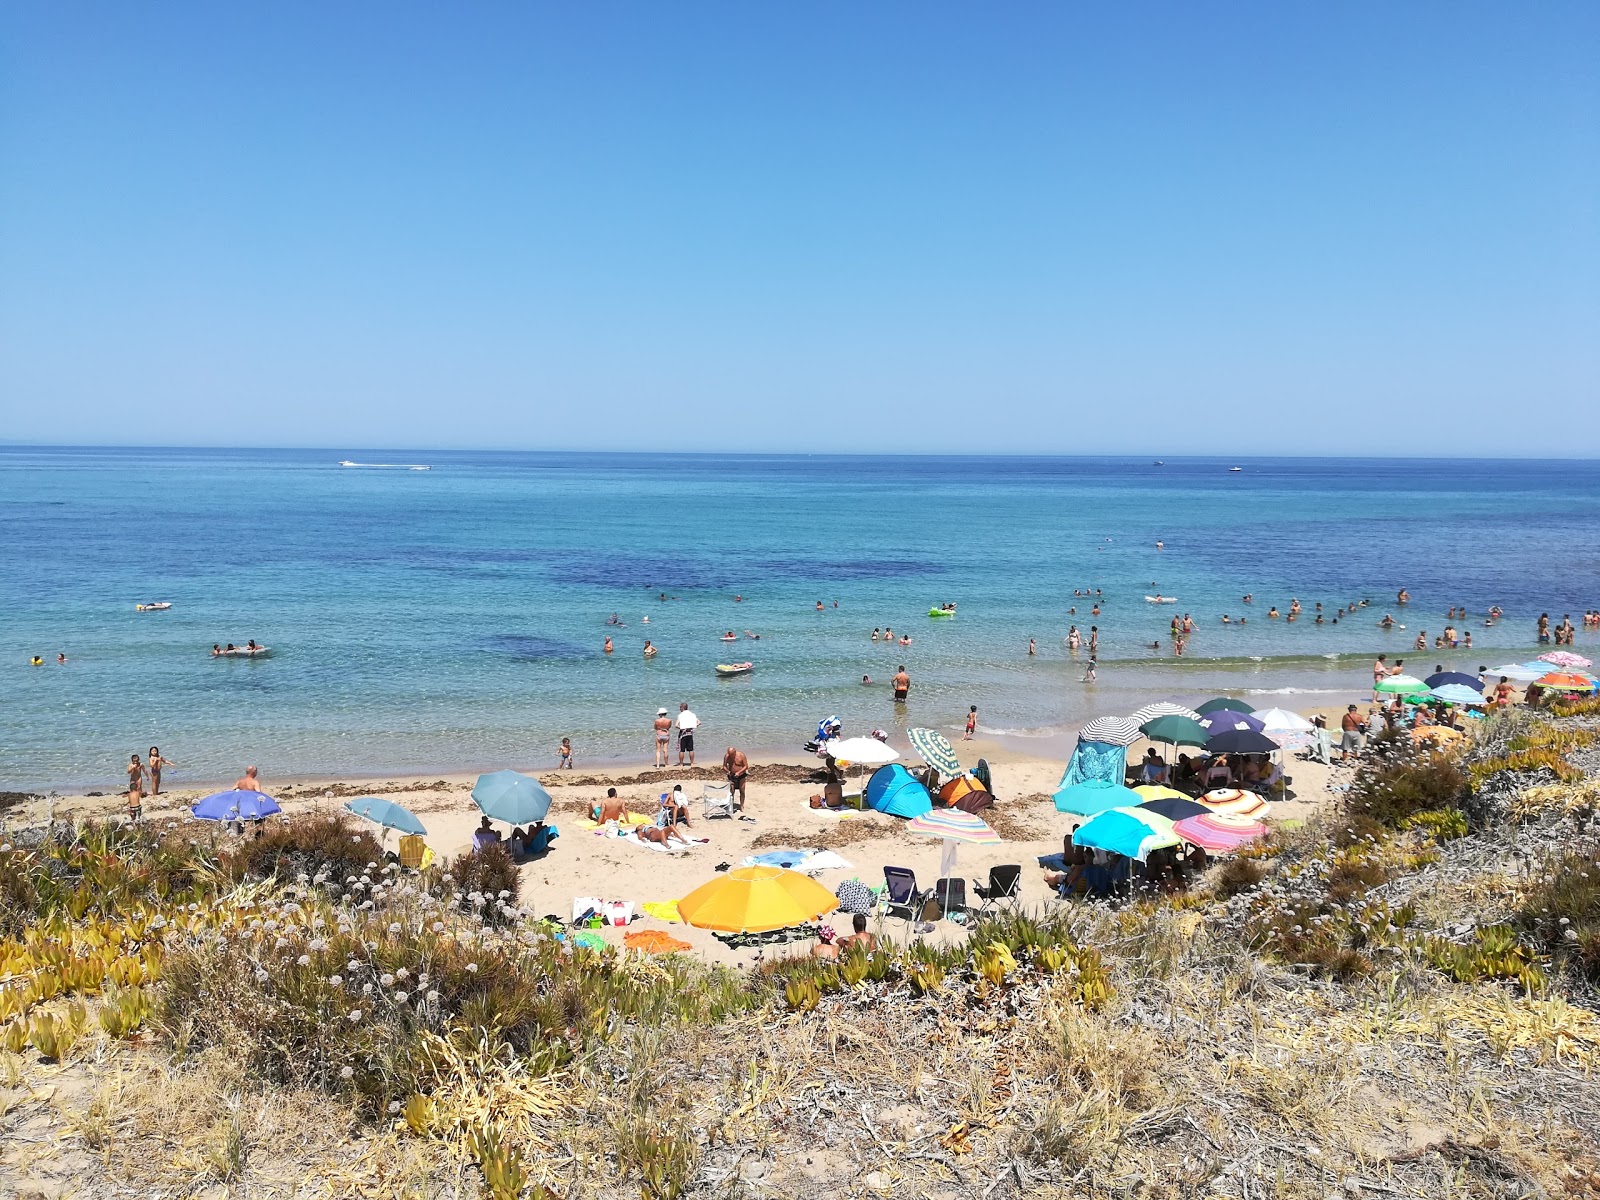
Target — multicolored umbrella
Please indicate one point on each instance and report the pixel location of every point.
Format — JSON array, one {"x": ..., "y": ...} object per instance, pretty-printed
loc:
[
  {"x": 1235, "y": 802},
  {"x": 1401, "y": 685},
  {"x": 1457, "y": 693},
  {"x": 1564, "y": 681},
  {"x": 511, "y": 797},
  {"x": 756, "y": 900},
  {"x": 386, "y": 813},
  {"x": 1130, "y": 832},
  {"x": 1226, "y": 720},
  {"x": 1113, "y": 731},
  {"x": 1162, "y": 708},
  {"x": 1211, "y": 706},
  {"x": 1173, "y": 730},
  {"x": 1094, "y": 796},
  {"x": 934, "y": 748},
  {"x": 954, "y": 825},
  {"x": 1219, "y": 832},
  {"x": 1564, "y": 658}
]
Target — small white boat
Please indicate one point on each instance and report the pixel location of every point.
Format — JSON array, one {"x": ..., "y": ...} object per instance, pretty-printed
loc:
[
  {"x": 1234, "y": 470},
  {"x": 158, "y": 606},
  {"x": 726, "y": 670},
  {"x": 345, "y": 462}
]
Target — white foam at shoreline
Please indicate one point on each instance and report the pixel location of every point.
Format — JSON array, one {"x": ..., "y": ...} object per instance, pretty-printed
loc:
[{"x": 1297, "y": 691}]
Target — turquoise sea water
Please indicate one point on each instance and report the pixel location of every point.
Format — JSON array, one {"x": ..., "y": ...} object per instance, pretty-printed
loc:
[{"x": 454, "y": 618}]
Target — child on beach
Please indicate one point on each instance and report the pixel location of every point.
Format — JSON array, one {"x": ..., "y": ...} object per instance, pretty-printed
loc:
[
  {"x": 972, "y": 723},
  {"x": 564, "y": 754},
  {"x": 135, "y": 788}
]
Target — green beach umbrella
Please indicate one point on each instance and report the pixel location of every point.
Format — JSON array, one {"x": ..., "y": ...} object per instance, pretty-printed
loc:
[
  {"x": 511, "y": 797},
  {"x": 1402, "y": 685},
  {"x": 1211, "y": 706},
  {"x": 934, "y": 748},
  {"x": 1175, "y": 731}
]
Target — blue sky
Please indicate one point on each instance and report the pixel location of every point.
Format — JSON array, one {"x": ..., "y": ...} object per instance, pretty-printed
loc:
[{"x": 1232, "y": 228}]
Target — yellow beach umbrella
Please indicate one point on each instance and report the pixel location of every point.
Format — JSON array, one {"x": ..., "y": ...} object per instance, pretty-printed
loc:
[
  {"x": 1154, "y": 791},
  {"x": 756, "y": 900}
]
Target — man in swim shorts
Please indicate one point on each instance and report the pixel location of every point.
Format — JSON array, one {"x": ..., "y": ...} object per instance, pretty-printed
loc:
[
  {"x": 687, "y": 724},
  {"x": 737, "y": 766},
  {"x": 902, "y": 683}
]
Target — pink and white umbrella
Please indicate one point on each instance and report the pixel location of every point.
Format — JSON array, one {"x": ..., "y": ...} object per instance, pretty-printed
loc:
[{"x": 1562, "y": 658}]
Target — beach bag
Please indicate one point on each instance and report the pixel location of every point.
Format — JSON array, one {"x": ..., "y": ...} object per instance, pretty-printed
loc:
[
  {"x": 619, "y": 912},
  {"x": 583, "y": 906}
]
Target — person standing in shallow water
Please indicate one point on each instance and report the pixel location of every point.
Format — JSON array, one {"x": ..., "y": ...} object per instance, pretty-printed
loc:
[{"x": 902, "y": 683}]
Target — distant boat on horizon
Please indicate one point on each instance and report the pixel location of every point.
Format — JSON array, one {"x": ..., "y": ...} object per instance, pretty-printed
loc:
[
  {"x": 345, "y": 462},
  {"x": 1160, "y": 463},
  {"x": 1235, "y": 470}
]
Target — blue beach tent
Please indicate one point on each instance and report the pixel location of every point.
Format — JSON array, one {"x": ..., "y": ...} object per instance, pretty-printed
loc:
[
  {"x": 1094, "y": 761},
  {"x": 892, "y": 790}
]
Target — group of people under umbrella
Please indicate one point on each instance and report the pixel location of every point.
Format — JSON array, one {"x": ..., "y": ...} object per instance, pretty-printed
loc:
[{"x": 1152, "y": 822}]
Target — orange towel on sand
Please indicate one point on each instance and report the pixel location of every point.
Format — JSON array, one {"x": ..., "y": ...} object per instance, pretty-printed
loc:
[{"x": 653, "y": 941}]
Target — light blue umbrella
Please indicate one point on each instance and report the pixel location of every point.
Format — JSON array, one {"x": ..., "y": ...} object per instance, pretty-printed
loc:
[
  {"x": 1132, "y": 834},
  {"x": 1095, "y": 796},
  {"x": 235, "y": 805},
  {"x": 511, "y": 797},
  {"x": 1458, "y": 693},
  {"x": 386, "y": 813}
]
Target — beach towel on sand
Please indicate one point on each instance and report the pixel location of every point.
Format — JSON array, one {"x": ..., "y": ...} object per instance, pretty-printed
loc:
[
  {"x": 630, "y": 820},
  {"x": 662, "y": 910}
]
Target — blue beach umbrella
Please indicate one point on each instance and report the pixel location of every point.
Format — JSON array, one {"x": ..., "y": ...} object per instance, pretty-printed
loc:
[
  {"x": 1095, "y": 796},
  {"x": 235, "y": 805},
  {"x": 1443, "y": 677},
  {"x": 1132, "y": 833},
  {"x": 1456, "y": 693},
  {"x": 511, "y": 797},
  {"x": 386, "y": 813},
  {"x": 1226, "y": 720},
  {"x": 1241, "y": 741}
]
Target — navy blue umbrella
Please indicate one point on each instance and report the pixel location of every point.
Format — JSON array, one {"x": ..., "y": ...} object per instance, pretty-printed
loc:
[
  {"x": 1241, "y": 741},
  {"x": 1461, "y": 677},
  {"x": 1225, "y": 719}
]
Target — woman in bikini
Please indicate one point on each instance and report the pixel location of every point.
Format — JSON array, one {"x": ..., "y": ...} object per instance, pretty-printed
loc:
[{"x": 663, "y": 729}]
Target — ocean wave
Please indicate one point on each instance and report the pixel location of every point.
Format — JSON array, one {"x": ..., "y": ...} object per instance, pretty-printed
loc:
[
  {"x": 1296, "y": 691},
  {"x": 1044, "y": 732}
]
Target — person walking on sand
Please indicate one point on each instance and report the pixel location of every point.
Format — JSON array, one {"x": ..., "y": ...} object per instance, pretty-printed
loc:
[
  {"x": 135, "y": 788},
  {"x": 564, "y": 754},
  {"x": 902, "y": 684},
  {"x": 737, "y": 765},
  {"x": 972, "y": 723},
  {"x": 250, "y": 782},
  {"x": 1350, "y": 725},
  {"x": 153, "y": 765},
  {"x": 663, "y": 730},
  {"x": 687, "y": 724}
]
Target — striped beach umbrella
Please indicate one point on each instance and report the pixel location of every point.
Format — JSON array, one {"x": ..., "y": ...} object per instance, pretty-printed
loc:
[
  {"x": 1219, "y": 832},
  {"x": 1113, "y": 731},
  {"x": 1235, "y": 802},
  {"x": 954, "y": 825},
  {"x": 934, "y": 748},
  {"x": 1130, "y": 832},
  {"x": 1162, "y": 708},
  {"x": 1402, "y": 685},
  {"x": 1457, "y": 693}
]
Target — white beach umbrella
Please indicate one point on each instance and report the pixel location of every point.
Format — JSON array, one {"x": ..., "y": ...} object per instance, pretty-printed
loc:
[
  {"x": 1517, "y": 672},
  {"x": 861, "y": 752},
  {"x": 1280, "y": 720}
]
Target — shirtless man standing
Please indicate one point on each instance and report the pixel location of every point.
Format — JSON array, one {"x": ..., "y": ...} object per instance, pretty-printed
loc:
[
  {"x": 737, "y": 766},
  {"x": 249, "y": 783},
  {"x": 902, "y": 683}
]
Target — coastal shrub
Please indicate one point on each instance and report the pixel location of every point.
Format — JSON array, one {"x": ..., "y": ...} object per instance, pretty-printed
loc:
[
  {"x": 488, "y": 873},
  {"x": 1561, "y": 913},
  {"x": 19, "y": 893},
  {"x": 1585, "y": 706},
  {"x": 1440, "y": 824},
  {"x": 1493, "y": 952},
  {"x": 1403, "y": 778},
  {"x": 1239, "y": 874},
  {"x": 316, "y": 845}
]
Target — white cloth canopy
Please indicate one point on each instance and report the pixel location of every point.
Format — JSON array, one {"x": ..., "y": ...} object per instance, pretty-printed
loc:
[
  {"x": 1281, "y": 720},
  {"x": 861, "y": 751}
]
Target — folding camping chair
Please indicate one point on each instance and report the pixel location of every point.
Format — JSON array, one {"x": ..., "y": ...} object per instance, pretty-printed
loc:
[
  {"x": 717, "y": 799},
  {"x": 951, "y": 896},
  {"x": 905, "y": 899},
  {"x": 1005, "y": 883},
  {"x": 411, "y": 850}
]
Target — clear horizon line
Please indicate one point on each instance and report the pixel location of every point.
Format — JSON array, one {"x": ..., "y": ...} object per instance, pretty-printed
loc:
[{"x": 10, "y": 444}]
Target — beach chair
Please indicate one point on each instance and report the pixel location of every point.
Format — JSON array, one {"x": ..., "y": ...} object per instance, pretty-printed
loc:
[
  {"x": 412, "y": 846},
  {"x": 905, "y": 899},
  {"x": 717, "y": 799},
  {"x": 951, "y": 896},
  {"x": 1218, "y": 775},
  {"x": 1005, "y": 883}
]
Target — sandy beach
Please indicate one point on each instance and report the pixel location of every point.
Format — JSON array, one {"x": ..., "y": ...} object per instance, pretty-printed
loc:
[{"x": 585, "y": 862}]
